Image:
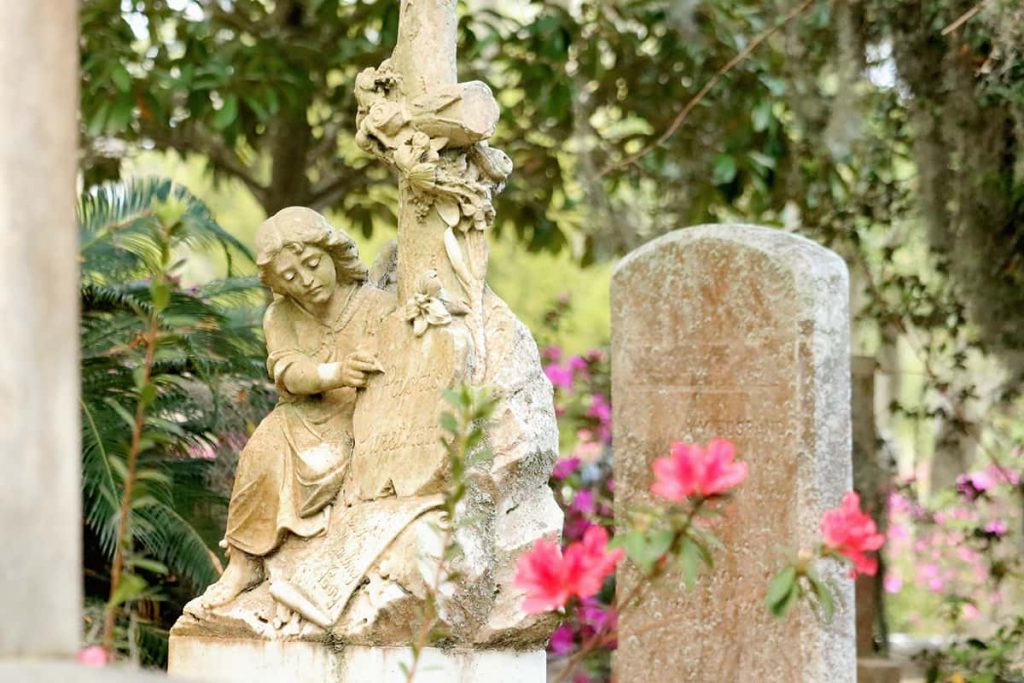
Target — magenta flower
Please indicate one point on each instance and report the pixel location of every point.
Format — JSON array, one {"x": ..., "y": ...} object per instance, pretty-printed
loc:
[
  {"x": 565, "y": 467},
  {"x": 584, "y": 502},
  {"x": 560, "y": 376},
  {"x": 540, "y": 572},
  {"x": 563, "y": 640},
  {"x": 850, "y": 532},
  {"x": 94, "y": 656},
  {"x": 692, "y": 470},
  {"x": 552, "y": 353},
  {"x": 601, "y": 410},
  {"x": 550, "y": 577},
  {"x": 997, "y": 528}
]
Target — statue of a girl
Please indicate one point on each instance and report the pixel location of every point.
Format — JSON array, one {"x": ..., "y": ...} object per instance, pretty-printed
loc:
[{"x": 317, "y": 330}]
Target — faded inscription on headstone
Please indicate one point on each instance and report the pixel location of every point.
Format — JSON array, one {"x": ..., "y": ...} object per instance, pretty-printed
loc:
[
  {"x": 397, "y": 435},
  {"x": 742, "y": 333}
]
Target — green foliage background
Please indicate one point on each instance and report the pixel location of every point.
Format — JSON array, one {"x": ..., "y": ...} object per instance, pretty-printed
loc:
[{"x": 889, "y": 130}]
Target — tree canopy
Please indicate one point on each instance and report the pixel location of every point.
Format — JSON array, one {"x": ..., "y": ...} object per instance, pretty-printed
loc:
[{"x": 890, "y": 130}]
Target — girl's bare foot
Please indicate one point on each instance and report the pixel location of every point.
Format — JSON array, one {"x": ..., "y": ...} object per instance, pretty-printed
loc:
[{"x": 243, "y": 572}]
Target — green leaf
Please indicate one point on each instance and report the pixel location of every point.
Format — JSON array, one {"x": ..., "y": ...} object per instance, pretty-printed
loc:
[
  {"x": 148, "y": 565},
  {"x": 761, "y": 116},
  {"x": 130, "y": 587},
  {"x": 689, "y": 557},
  {"x": 160, "y": 290},
  {"x": 98, "y": 120},
  {"x": 449, "y": 423},
  {"x": 121, "y": 78},
  {"x": 125, "y": 416},
  {"x": 780, "y": 591},
  {"x": 630, "y": 541},
  {"x": 824, "y": 595},
  {"x": 227, "y": 114},
  {"x": 724, "y": 170},
  {"x": 148, "y": 395},
  {"x": 643, "y": 549}
]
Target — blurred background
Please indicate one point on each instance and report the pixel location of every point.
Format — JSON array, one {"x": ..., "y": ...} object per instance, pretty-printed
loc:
[{"x": 891, "y": 131}]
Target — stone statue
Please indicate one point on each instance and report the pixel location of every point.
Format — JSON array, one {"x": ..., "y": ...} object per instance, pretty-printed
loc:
[
  {"x": 335, "y": 530},
  {"x": 293, "y": 466}
]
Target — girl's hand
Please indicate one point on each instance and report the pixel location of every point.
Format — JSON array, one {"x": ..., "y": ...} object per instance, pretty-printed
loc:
[{"x": 355, "y": 368}]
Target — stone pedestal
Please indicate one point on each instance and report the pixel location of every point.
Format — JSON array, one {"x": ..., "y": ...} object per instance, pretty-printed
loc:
[{"x": 223, "y": 660}]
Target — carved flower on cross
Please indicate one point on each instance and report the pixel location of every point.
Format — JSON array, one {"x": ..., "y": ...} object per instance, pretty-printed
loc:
[{"x": 428, "y": 305}]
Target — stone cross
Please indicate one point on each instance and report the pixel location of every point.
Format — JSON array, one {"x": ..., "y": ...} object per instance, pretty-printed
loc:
[
  {"x": 742, "y": 333},
  {"x": 432, "y": 130},
  {"x": 419, "y": 119}
]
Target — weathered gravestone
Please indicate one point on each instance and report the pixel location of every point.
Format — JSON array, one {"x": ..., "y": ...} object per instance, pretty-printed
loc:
[
  {"x": 739, "y": 332},
  {"x": 335, "y": 528}
]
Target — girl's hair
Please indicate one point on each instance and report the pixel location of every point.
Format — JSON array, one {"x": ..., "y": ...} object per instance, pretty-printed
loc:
[{"x": 297, "y": 227}]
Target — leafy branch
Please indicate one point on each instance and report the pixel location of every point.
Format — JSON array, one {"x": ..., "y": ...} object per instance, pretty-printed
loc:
[{"x": 465, "y": 432}]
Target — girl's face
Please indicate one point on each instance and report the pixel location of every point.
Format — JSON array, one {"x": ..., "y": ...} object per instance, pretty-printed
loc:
[{"x": 309, "y": 276}]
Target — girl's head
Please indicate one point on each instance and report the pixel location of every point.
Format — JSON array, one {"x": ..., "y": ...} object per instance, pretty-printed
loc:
[{"x": 290, "y": 250}]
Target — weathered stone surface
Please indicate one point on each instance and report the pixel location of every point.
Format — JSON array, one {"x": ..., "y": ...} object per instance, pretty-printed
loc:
[
  {"x": 397, "y": 436},
  {"x": 70, "y": 672},
  {"x": 739, "y": 332},
  {"x": 40, "y": 508},
  {"x": 255, "y": 661}
]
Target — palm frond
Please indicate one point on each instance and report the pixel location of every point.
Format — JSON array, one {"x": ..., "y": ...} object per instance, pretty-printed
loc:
[{"x": 117, "y": 220}]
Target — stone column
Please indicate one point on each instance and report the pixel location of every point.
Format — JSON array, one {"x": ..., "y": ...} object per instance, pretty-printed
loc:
[
  {"x": 739, "y": 332},
  {"x": 40, "y": 508}
]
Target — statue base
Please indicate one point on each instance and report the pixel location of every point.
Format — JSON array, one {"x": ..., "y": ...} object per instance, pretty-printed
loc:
[{"x": 228, "y": 660}]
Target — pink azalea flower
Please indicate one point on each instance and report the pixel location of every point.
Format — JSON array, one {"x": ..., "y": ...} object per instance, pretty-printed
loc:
[
  {"x": 892, "y": 583},
  {"x": 575, "y": 527},
  {"x": 565, "y": 467},
  {"x": 578, "y": 364},
  {"x": 552, "y": 353},
  {"x": 966, "y": 554},
  {"x": 563, "y": 640},
  {"x": 540, "y": 572},
  {"x": 972, "y": 485},
  {"x": 550, "y": 578},
  {"x": 851, "y": 533},
  {"x": 589, "y": 562},
  {"x": 692, "y": 470},
  {"x": 584, "y": 502},
  {"x": 596, "y": 615},
  {"x": 94, "y": 655},
  {"x": 970, "y": 612},
  {"x": 996, "y": 528},
  {"x": 601, "y": 410},
  {"x": 898, "y": 532},
  {"x": 586, "y": 448},
  {"x": 560, "y": 376}
]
